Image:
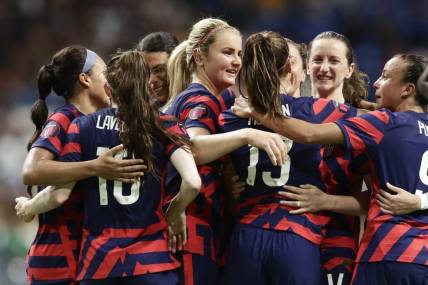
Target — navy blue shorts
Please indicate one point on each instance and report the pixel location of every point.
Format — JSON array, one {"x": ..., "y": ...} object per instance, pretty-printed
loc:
[
  {"x": 159, "y": 278},
  {"x": 258, "y": 256},
  {"x": 390, "y": 272},
  {"x": 198, "y": 270}
]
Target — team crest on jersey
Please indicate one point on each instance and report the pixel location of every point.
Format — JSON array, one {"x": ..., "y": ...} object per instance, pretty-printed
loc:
[
  {"x": 50, "y": 130},
  {"x": 198, "y": 112},
  {"x": 341, "y": 107}
]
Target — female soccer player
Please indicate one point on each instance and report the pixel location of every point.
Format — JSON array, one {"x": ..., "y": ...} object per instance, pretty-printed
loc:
[
  {"x": 392, "y": 248},
  {"x": 124, "y": 226},
  {"x": 76, "y": 74},
  {"x": 297, "y": 75},
  {"x": 200, "y": 69},
  {"x": 260, "y": 217}
]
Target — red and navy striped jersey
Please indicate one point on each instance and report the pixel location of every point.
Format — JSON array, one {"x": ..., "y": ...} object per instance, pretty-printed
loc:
[
  {"x": 397, "y": 147},
  {"x": 197, "y": 107},
  {"x": 124, "y": 230},
  {"x": 53, "y": 254},
  {"x": 342, "y": 173},
  {"x": 258, "y": 203}
]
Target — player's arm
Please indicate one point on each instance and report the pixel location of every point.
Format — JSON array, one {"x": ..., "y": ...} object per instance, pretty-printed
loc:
[
  {"x": 48, "y": 199},
  {"x": 295, "y": 129},
  {"x": 40, "y": 168},
  {"x": 207, "y": 147},
  {"x": 309, "y": 198},
  {"x": 400, "y": 201},
  {"x": 184, "y": 162}
]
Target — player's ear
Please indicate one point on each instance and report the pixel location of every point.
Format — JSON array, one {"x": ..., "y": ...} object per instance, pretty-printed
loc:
[
  {"x": 84, "y": 80},
  {"x": 108, "y": 89}
]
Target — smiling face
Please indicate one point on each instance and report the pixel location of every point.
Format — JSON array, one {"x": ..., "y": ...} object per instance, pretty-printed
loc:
[
  {"x": 157, "y": 62},
  {"x": 390, "y": 86},
  {"x": 222, "y": 62},
  {"x": 328, "y": 66}
]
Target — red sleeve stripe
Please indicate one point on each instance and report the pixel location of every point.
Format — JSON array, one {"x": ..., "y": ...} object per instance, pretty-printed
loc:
[
  {"x": 73, "y": 129},
  {"x": 56, "y": 142},
  {"x": 368, "y": 128},
  {"x": 383, "y": 116},
  {"x": 334, "y": 116},
  {"x": 356, "y": 142},
  {"x": 71, "y": 148},
  {"x": 207, "y": 101},
  {"x": 320, "y": 105},
  {"x": 61, "y": 119}
]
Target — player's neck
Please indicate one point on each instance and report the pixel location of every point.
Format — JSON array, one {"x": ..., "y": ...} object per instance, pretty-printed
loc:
[
  {"x": 410, "y": 104},
  {"x": 83, "y": 103},
  {"x": 336, "y": 95},
  {"x": 206, "y": 82}
]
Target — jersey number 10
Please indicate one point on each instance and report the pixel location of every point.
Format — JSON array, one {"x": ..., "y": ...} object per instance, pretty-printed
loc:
[{"x": 118, "y": 186}]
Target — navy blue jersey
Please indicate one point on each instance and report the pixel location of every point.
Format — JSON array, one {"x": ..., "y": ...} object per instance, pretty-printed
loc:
[
  {"x": 197, "y": 107},
  {"x": 258, "y": 204},
  {"x": 124, "y": 225},
  {"x": 54, "y": 251},
  {"x": 397, "y": 147}
]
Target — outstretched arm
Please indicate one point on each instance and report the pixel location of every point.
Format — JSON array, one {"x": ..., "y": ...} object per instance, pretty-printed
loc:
[
  {"x": 295, "y": 129},
  {"x": 40, "y": 168},
  {"x": 208, "y": 148},
  {"x": 48, "y": 199}
]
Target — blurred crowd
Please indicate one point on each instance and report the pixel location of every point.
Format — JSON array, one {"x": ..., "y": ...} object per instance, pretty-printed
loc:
[{"x": 32, "y": 30}]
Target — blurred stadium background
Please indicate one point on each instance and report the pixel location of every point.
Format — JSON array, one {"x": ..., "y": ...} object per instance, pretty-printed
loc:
[{"x": 32, "y": 30}]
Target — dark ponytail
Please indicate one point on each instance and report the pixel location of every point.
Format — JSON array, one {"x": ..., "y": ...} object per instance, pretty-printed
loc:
[
  {"x": 264, "y": 58},
  {"x": 60, "y": 76}
]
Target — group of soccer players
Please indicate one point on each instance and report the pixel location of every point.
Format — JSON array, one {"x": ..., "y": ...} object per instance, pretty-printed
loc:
[{"x": 224, "y": 176}]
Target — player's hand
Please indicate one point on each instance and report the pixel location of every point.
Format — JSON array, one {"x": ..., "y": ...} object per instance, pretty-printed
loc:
[
  {"x": 399, "y": 203},
  {"x": 21, "y": 209},
  {"x": 177, "y": 234},
  {"x": 241, "y": 108},
  {"x": 237, "y": 187},
  {"x": 272, "y": 143},
  {"x": 124, "y": 170},
  {"x": 306, "y": 198}
]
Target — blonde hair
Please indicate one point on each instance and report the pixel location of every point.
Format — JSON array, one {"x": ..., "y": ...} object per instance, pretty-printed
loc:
[{"x": 181, "y": 63}]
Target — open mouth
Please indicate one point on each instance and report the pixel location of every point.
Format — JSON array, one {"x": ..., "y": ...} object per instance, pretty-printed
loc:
[
  {"x": 231, "y": 71},
  {"x": 324, "y": 77}
]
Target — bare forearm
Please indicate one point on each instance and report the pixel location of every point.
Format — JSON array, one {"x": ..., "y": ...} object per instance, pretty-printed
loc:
[
  {"x": 50, "y": 172},
  {"x": 207, "y": 148},
  {"x": 48, "y": 199},
  {"x": 348, "y": 205},
  {"x": 301, "y": 131}
]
